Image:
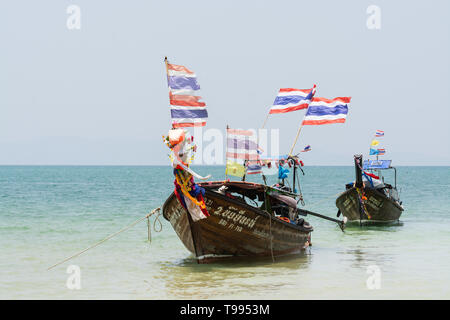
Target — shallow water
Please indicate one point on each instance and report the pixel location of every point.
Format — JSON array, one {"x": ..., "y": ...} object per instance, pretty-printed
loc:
[{"x": 50, "y": 213}]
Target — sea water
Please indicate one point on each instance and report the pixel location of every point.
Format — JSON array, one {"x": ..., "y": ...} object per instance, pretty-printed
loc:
[{"x": 48, "y": 213}]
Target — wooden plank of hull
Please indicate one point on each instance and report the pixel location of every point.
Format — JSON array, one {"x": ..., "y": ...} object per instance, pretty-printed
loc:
[
  {"x": 234, "y": 229},
  {"x": 380, "y": 208}
]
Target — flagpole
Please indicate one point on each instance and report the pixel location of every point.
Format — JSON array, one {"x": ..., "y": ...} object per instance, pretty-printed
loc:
[
  {"x": 267, "y": 117},
  {"x": 265, "y": 120},
  {"x": 167, "y": 73},
  {"x": 301, "y": 126},
  {"x": 370, "y": 148},
  {"x": 167, "y": 67},
  {"x": 298, "y": 133},
  {"x": 167, "y": 70},
  {"x": 226, "y": 151}
]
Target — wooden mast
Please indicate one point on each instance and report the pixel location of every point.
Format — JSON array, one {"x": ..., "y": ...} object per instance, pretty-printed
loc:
[
  {"x": 257, "y": 135},
  {"x": 226, "y": 151},
  {"x": 167, "y": 73},
  {"x": 301, "y": 125},
  {"x": 296, "y": 137},
  {"x": 265, "y": 120},
  {"x": 167, "y": 65}
]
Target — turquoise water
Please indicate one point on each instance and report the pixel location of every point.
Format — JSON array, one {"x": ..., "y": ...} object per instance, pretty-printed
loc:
[{"x": 50, "y": 213}]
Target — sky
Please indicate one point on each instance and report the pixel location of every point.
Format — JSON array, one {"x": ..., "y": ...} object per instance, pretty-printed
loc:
[{"x": 98, "y": 95}]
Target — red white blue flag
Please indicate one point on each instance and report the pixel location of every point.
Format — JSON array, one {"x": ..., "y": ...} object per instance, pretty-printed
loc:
[
  {"x": 185, "y": 106},
  {"x": 242, "y": 144},
  {"x": 289, "y": 99},
  {"x": 254, "y": 167},
  {"x": 379, "y": 133},
  {"x": 326, "y": 111},
  {"x": 307, "y": 148}
]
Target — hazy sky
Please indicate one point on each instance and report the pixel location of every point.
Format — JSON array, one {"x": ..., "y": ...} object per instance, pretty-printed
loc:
[{"x": 98, "y": 95}]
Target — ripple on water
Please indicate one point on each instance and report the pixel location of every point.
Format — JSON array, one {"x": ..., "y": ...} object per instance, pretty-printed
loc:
[{"x": 50, "y": 213}]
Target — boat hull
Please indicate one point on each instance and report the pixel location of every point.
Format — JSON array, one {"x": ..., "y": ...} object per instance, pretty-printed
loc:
[
  {"x": 380, "y": 208},
  {"x": 234, "y": 229}
]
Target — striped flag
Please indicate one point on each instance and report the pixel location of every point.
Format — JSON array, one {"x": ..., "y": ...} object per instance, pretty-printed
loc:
[
  {"x": 289, "y": 99},
  {"x": 326, "y": 111},
  {"x": 307, "y": 148},
  {"x": 381, "y": 151},
  {"x": 379, "y": 133},
  {"x": 185, "y": 106},
  {"x": 254, "y": 167},
  {"x": 241, "y": 144}
]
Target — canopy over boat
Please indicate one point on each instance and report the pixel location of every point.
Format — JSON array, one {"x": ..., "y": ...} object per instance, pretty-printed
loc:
[
  {"x": 251, "y": 189},
  {"x": 377, "y": 164}
]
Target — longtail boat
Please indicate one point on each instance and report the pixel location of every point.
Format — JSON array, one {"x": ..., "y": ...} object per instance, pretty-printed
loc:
[
  {"x": 235, "y": 227},
  {"x": 222, "y": 219},
  {"x": 370, "y": 200}
]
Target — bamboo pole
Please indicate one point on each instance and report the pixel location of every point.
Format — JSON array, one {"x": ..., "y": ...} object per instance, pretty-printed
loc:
[
  {"x": 167, "y": 67},
  {"x": 264, "y": 124},
  {"x": 301, "y": 126},
  {"x": 265, "y": 120},
  {"x": 226, "y": 151},
  {"x": 296, "y": 138},
  {"x": 341, "y": 223},
  {"x": 167, "y": 73}
]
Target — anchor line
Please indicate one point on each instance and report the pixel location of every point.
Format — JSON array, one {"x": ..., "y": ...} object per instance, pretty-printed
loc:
[{"x": 147, "y": 216}]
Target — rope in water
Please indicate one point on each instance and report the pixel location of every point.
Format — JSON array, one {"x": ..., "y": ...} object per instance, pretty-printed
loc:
[
  {"x": 147, "y": 216},
  {"x": 154, "y": 226}
]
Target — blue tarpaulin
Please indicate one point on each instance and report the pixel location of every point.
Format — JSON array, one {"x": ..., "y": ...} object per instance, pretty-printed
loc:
[
  {"x": 282, "y": 172},
  {"x": 376, "y": 164}
]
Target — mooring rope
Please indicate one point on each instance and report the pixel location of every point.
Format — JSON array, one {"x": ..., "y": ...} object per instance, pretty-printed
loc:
[
  {"x": 147, "y": 216},
  {"x": 149, "y": 229}
]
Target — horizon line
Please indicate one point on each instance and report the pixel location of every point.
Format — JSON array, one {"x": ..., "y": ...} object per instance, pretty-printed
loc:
[{"x": 195, "y": 165}]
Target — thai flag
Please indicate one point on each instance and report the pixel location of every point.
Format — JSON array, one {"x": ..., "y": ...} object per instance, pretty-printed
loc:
[
  {"x": 379, "y": 133},
  {"x": 290, "y": 99},
  {"x": 185, "y": 106},
  {"x": 254, "y": 167},
  {"x": 326, "y": 111},
  {"x": 381, "y": 151},
  {"x": 241, "y": 144},
  {"x": 307, "y": 148}
]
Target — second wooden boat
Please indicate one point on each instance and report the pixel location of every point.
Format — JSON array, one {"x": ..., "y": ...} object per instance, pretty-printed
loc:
[{"x": 371, "y": 201}]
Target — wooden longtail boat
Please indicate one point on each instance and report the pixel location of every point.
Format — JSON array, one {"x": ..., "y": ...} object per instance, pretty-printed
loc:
[
  {"x": 370, "y": 202},
  {"x": 231, "y": 218},
  {"x": 236, "y": 228}
]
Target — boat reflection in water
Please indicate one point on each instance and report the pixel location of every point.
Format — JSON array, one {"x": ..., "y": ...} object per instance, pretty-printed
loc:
[{"x": 233, "y": 278}]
